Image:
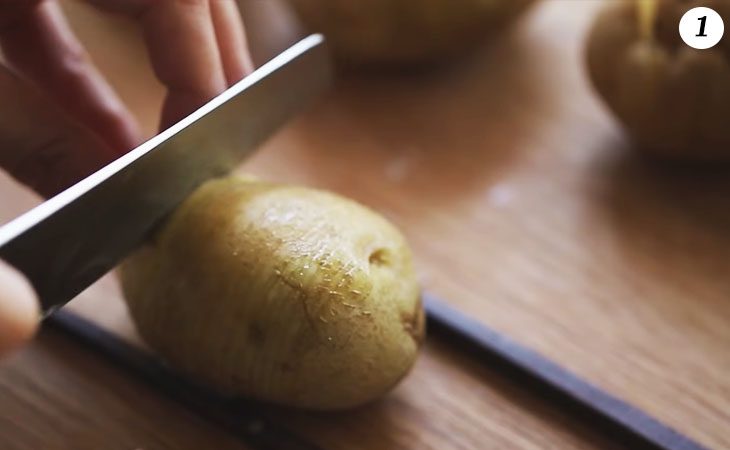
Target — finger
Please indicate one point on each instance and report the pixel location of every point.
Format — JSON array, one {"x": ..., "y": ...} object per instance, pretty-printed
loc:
[
  {"x": 39, "y": 44},
  {"x": 183, "y": 46},
  {"x": 11, "y": 10},
  {"x": 271, "y": 27},
  {"x": 40, "y": 145},
  {"x": 184, "y": 52},
  {"x": 231, "y": 39},
  {"x": 128, "y": 7},
  {"x": 19, "y": 312}
]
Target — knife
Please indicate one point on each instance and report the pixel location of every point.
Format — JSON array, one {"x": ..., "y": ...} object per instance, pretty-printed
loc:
[{"x": 68, "y": 242}]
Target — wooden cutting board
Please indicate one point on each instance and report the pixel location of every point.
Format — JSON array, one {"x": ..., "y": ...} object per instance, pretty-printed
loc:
[{"x": 526, "y": 208}]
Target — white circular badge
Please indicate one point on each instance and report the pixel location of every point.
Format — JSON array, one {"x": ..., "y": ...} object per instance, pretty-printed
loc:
[{"x": 701, "y": 28}]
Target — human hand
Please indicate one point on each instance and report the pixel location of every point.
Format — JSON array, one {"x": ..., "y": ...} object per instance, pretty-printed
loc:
[
  {"x": 18, "y": 309},
  {"x": 59, "y": 118}
]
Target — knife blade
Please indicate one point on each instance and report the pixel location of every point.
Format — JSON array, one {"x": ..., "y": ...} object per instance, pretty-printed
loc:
[{"x": 66, "y": 243}]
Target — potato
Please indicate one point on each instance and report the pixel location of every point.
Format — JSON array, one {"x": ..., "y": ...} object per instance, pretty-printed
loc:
[
  {"x": 404, "y": 32},
  {"x": 279, "y": 293},
  {"x": 674, "y": 100}
]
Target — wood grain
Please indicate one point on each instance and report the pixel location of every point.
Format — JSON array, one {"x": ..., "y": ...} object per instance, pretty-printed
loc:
[
  {"x": 55, "y": 396},
  {"x": 526, "y": 207}
]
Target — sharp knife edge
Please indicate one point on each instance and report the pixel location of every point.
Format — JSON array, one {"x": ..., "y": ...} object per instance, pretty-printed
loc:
[
  {"x": 72, "y": 239},
  {"x": 26, "y": 221}
]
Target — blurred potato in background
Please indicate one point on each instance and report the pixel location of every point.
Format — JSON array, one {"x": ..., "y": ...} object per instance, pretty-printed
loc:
[
  {"x": 404, "y": 32},
  {"x": 271, "y": 26},
  {"x": 673, "y": 99}
]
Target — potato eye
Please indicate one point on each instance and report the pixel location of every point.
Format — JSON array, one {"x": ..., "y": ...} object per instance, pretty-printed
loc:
[{"x": 380, "y": 257}]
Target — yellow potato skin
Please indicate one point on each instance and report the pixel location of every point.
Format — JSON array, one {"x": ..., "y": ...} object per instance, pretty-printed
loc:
[
  {"x": 674, "y": 100},
  {"x": 404, "y": 32},
  {"x": 280, "y": 293}
]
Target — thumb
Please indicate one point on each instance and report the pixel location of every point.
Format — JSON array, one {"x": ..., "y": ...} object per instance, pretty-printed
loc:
[{"x": 19, "y": 312}]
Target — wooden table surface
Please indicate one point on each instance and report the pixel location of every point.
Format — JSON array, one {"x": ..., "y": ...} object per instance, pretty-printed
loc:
[{"x": 526, "y": 208}]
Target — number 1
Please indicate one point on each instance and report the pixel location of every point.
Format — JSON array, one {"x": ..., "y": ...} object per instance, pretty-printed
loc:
[{"x": 702, "y": 20}]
